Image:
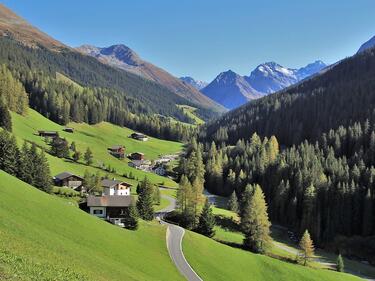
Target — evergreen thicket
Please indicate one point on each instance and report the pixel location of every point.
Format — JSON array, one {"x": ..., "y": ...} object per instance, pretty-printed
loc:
[
  {"x": 28, "y": 164},
  {"x": 327, "y": 187},
  {"x": 107, "y": 93}
]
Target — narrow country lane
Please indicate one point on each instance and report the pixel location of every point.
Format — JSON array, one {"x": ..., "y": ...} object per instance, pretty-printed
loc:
[{"x": 174, "y": 238}]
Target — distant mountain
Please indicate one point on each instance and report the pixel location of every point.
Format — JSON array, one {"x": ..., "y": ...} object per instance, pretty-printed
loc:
[
  {"x": 271, "y": 77},
  {"x": 123, "y": 57},
  {"x": 197, "y": 84},
  {"x": 15, "y": 27},
  {"x": 230, "y": 90},
  {"x": 367, "y": 45}
]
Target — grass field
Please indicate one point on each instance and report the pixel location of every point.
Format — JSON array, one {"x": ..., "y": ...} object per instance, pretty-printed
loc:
[
  {"x": 282, "y": 248},
  {"x": 98, "y": 137},
  {"x": 190, "y": 111},
  {"x": 47, "y": 238},
  {"x": 215, "y": 261}
]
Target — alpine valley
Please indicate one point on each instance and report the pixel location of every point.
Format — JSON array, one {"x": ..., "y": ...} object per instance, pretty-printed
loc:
[{"x": 112, "y": 168}]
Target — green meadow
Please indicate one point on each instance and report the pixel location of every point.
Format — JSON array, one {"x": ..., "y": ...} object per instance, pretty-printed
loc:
[
  {"x": 98, "y": 137},
  {"x": 47, "y": 238}
]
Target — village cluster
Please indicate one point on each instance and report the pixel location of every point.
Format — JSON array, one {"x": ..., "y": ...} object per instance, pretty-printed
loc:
[{"x": 115, "y": 198}]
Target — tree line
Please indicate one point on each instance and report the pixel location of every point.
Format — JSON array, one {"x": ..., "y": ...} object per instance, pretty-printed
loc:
[{"x": 326, "y": 187}]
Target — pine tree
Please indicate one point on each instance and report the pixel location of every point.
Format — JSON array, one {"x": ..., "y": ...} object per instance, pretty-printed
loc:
[
  {"x": 5, "y": 118},
  {"x": 206, "y": 222},
  {"x": 131, "y": 220},
  {"x": 233, "y": 202},
  {"x": 60, "y": 148},
  {"x": 254, "y": 221},
  {"x": 307, "y": 247},
  {"x": 42, "y": 176},
  {"x": 88, "y": 157},
  {"x": 9, "y": 153},
  {"x": 145, "y": 200},
  {"x": 76, "y": 156},
  {"x": 340, "y": 264}
]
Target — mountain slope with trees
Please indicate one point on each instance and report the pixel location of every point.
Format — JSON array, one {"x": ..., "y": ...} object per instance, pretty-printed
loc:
[
  {"x": 123, "y": 57},
  {"x": 311, "y": 149}
]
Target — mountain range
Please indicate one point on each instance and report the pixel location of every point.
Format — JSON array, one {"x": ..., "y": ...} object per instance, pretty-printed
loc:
[
  {"x": 122, "y": 57},
  {"x": 197, "y": 84},
  {"x": 232, "y": 90}
]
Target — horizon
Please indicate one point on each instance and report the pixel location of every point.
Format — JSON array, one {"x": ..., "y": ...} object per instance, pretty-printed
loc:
[{"x": 219, "y": 29}]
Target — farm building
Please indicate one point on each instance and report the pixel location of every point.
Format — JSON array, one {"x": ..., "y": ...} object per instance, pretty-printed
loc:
[
  {"x": 48, "y": 134},
  {"x": 137, "y": 156},
  {"x": 139, "y": 136},
  {"x": 68, "y": 180},
  {"x": 69, "y": 130},
  {"x": 117, "y": 151}
]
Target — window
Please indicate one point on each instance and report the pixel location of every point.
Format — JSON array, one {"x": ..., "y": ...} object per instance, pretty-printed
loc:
[{"x": 98, "y": 212}]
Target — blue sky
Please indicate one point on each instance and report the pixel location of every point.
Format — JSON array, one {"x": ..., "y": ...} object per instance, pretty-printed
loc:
[{"x": 202, "y": 38}]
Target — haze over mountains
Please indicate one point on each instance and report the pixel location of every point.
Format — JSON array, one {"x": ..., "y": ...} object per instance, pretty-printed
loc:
[{"x": 232, "y": 90}]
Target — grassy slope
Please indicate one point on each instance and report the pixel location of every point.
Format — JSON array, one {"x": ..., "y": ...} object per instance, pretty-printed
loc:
[
  {"x": 189, "y": 111},
  {"x": 98, "y": 137},
  {"x": 215, "y": 261},
  {"x": 45, "y": 238},
  {"x": 281, "y": 241}
]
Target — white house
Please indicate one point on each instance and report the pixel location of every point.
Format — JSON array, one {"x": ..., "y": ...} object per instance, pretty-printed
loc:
[
  {"x": 115, "y": 187},
  {"x": 110, "y": 207}
]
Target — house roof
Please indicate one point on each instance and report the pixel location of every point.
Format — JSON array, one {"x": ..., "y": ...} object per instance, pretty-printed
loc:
[
  {"x": 65, "y": 175},
  {"x": 47, "y": 132},
  {"x": 140, "y": 153},
  {"x": 110, "y": 183},
  {"x": 116, "y": 147},
  {"x": 109, "y": 201},
  {"x": 140, "y": 135}
]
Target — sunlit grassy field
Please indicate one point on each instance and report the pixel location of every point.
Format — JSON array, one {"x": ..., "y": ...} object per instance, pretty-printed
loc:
[
  {"x": 98, "y": 137},
  {"x": 47, "y": 238}
]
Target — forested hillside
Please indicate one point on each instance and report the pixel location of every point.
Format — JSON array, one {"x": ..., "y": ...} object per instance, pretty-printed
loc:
[
  {"x": 311, "y": 148},
  {"x": 107, "y": 94}
]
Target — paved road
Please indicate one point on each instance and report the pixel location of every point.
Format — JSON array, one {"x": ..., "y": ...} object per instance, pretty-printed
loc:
[{"x": 174, "y": 243}]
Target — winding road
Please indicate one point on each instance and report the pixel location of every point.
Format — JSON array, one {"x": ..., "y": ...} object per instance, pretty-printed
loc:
[{"x": 174, "y": 242}]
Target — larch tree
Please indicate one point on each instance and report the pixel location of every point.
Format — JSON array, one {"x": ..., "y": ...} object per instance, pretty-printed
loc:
[
  {"x": 254, "y": 221},
  {"x": 340, "y": 263},
  {"x": 307, "y": 247}
]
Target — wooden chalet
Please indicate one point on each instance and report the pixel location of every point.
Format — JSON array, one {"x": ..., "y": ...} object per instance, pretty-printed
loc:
[
  {"x": 139, "y": 136},
  {"x": 69, "y": 180},
  {"x": 137, "y": 156},
  {"x": 117, "y": 151},
  {"x": 48, "y": 134},
  {"x": 69, "y": 130}
]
